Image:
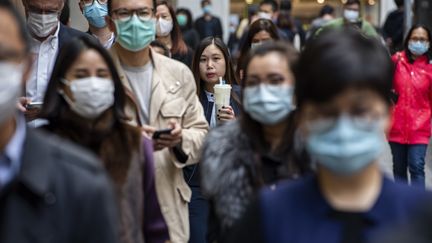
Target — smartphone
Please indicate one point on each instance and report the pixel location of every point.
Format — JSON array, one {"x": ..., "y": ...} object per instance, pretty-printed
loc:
[
  {"x": 158, "y": 133},
  {"x": 34, "y": 105}
]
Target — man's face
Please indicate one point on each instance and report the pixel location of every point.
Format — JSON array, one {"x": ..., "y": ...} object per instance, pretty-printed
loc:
[
  {"x": 267, "y": 8},
  {"x": 43, "y": 6},
  {"x": 127, "y": 5}
]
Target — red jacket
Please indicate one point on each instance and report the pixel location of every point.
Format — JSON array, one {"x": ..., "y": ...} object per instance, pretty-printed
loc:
[{"x": 411, "y": 123}]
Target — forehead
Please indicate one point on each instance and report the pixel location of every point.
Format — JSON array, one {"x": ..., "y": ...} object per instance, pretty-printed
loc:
[
  {"x": 352, "y": 6},
  {"x": 212, "y": 50},
  {"x": 44, "y": 3},
  {"x": 262, "y": 35},
  {"x": 131, "y": 4},
  {"x": 10, "y": 36},
  {"x": 162, "y": 9},
  {"x": 266, "y": 7},
  {"x": 419, "y": 32},
  {"x": 270, "y": 62}
]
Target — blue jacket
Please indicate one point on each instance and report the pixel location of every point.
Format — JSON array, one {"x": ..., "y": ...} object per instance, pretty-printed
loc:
[{"x": 297, "y": 212}]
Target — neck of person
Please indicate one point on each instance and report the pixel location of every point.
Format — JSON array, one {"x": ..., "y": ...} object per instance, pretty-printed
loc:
[
  {"x": 207, "y": 16},
  {"x": 166, "y": 40},
  {"x": 273, "y": 134},
  {"x": 7, "y": 129},
  {"x": 132, "y": 58},
  {"x": 103, "y": 34},
  {"x": 353, "y": 193}
]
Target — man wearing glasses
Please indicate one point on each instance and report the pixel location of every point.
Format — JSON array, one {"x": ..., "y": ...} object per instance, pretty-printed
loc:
[
  {"x": 163, "y": 96},
  {"x": 48, "y": 36},
  {"x": 95, "y": 11}
]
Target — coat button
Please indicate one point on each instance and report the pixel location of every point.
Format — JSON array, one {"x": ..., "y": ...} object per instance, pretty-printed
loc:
[
  {"x": 178, "y": 83},
  {"x": 50, "y": 198}
]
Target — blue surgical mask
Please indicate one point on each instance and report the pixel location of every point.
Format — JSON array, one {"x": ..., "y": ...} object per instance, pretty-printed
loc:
[
  {"x": 182, "y": 20},
  {"x": 348, "y": 146},
  {"x": 207, "y": 9},
  {"x": 351, "y": 15},
  {"x": 418, "y": 48},
  {"x": 95, "y": 14},
  {"x": 268, "y": 104},
  {"x": 135, "y": 34}
]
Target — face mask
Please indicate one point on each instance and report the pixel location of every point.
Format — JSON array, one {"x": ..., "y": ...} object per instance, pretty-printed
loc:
[
  {"x": 263, "y": 15},
  {"x": 10, "y": 89},
  {"x": 348, "y": 146},
  {"x": 418, "y": 48},
  {"x": 268, "y": 104},
  {"x": 256, "y": 45},
  {"x": 93, "y": 96},
  {"x": 95, "y": 14},
  {"x": 135, "y": 34},
  {"x": 42, "y": 25},
  {"x": 164, "y": 27},
  {"x": 207, "y": 9},
  {"x": 182, "y": 20},
  {"x": 351, "y": 15}
]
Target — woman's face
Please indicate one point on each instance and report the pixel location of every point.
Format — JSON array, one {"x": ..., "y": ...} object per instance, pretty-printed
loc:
[
  {"x": 89, "y": 64},
  {"x": 212, "y": 64},
  {"x": 362, "y": 105},
  {"x": 261, "y": 36},
  {"x": 419, "y": 34},
  {"x": 162, "y": 12},
  {"x": 271, "y": 68}
]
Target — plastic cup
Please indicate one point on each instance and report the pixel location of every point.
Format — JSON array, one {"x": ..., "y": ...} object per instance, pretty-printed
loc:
[{"x": 222, "y": 93}]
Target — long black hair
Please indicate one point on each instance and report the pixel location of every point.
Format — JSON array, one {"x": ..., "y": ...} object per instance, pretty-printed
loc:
[{"x": 409, "y": 55}]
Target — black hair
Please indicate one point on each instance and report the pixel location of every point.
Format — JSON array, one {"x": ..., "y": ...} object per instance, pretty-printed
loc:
[
  {"x": 273, "y": 3},
  {"x": 326, "y": 9},
  {"x": 22, "y": 27},
  {"x": 54, "y": 103},
  {"x": 256, "y": 27},
  {"x": 65, "y": 13},
  {"x": 205, "y": 2},
  {"x": 399, "y": 3},
  {"x": 189, "y": 18},
  {"x": 351, "y": 2},
  {"x": 339, "y": 60},
  {"x": 409, "y": 55},
  {"x": 285, "y": 5},
  {"x": 110, "y": 6}
]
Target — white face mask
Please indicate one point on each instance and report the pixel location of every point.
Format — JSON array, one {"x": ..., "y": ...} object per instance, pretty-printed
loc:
[
  {"x": 264, "y": 15},
  {"x": 93, "y": 96},
  {"x": 10, "y": 89},
  {"x": 42, "y": 25},
  {"x": 351, "y": 15},
  {"x": 163, "y": 27}
]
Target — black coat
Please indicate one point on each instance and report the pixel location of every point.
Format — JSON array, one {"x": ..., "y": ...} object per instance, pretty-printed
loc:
[
  {"x": 67, "y": 34},
  {"x": 61, "y": 194}
]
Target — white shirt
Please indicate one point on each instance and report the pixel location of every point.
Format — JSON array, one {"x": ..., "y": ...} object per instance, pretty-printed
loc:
[
  {"x": 44, "y": 57},
  {"x": 211, "y": 98},
  {"x": 110, "y": 42},
  {"x": 140, "y": 79}
]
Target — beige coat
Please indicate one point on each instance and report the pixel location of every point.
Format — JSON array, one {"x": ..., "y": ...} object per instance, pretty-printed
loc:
[{"x": 173, "y": 96}]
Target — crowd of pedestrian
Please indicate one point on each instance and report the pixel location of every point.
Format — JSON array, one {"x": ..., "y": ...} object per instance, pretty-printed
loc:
[{"x": 149, "y": 127}]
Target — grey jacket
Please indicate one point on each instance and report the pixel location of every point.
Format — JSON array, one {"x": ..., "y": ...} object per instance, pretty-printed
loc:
[{"x": 61, "y": 194}]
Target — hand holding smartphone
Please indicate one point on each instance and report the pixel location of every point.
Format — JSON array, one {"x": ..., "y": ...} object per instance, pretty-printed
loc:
[{"x": 158, "y": 133}]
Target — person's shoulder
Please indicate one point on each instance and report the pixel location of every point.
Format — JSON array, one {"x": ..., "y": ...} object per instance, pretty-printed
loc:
[
  {"x": 71, "y": 32},
  {"x": 405, "y": 194},
  {"x": 65, "y": 154},
  {"x": 334, "y": 23},
  {"x": 287, "y": 188}
]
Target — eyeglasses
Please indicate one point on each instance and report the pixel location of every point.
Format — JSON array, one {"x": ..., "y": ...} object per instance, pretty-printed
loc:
[
  {"x": 91, "y": 2},
  {"x": 124, "y": 14},
  {"x": 415, "y": 39}
]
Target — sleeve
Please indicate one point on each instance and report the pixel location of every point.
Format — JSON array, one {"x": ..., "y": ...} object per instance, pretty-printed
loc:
[
  {"x": 194, "y": 124},
  {"x": 369, "y": 29},
  {"x": 154, "y": 226},
  {"x": 219, "y": 29}
]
